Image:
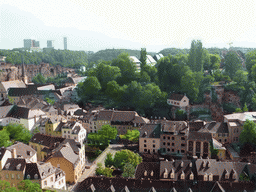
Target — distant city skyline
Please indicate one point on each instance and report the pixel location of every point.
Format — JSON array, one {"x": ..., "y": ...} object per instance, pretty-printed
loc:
[{"x": 93, "y": 26}]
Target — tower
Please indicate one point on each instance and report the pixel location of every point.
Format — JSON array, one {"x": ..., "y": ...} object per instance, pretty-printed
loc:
[
  {"x": 65, "y": 43},
  {"x": 49, "y": 44},
  {"x": 23, "y": 75}
]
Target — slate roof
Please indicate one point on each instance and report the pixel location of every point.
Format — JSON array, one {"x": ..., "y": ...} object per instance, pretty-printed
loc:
[
  {"x": 149, "y": 167},
  {"x": 46, "y": 87},
  {"x": 2, "y": 152},
  {"x": 66, "y": 152},
  {"x": 22, "y": 150},
  {"x": 11, "y": 164},
  {"x": 215, "y": 127},
  {"x": 174, "y": 126},
  {"x": 12, "y": 84},
  {"x": 150, "y": 131},
  {"x": 139, "y": 119},
  {"x": 24, "y": 113},
  {"x": 177, "y": 168},
  {"x": 125, "y": 116},
  {"x": 195, "y": 126},
  {"x": 42, "y": 170},
  {"x": 176, "y": 97},
  {"x": 105, "y": 115},
  {"x": 4, "y": 110},
  {"x": 46, "y": 140},
  {"x": 199, "y": 136}
]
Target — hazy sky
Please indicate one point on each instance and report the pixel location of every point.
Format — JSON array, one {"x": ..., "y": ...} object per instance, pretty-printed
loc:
[{"x": 154, "y": 24}]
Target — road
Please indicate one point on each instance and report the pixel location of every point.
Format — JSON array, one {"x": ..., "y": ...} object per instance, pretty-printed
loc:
[{"x": 113, "y": 148}]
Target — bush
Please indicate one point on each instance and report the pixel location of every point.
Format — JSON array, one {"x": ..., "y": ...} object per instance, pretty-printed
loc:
[{"x": 229, "y": 107}]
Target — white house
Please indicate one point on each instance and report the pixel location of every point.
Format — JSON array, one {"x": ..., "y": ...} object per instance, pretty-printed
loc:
[{"x": 178, "y": 100}]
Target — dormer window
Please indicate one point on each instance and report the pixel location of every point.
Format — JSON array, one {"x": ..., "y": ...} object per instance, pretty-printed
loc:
[
  {"x": 208, "y": 164},
  {"x": 18, "y": 166},
  {"x": 190, "y": 164},
  {"x": 49, "y": 170},
  {"x": 182, "y": 176},
  {"x": 210, "y": 177},
  {"x": 181, "y": 164},
  {"x": 165, "y": 173},
  {"x": 43, "y": 174},
  {"x": 7, "y": 165},
  {"x": 226, "y": 175},
  {"x": 204, "y": 164},
  {"x": 145, "y": 173},
  {"x": 28, "y": 176},
  {"x": 36, "y": 176},
  {"x": 191, "y": 176},
  {"x": 152, "y": 174},
  {"x": 172, "y": 174},
  {"x": 205, "y": 177},
  {"x": 234, "y": 176}
]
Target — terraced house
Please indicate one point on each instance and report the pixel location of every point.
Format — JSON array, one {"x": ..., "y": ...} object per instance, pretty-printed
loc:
[{"x": 122, "y": 120}]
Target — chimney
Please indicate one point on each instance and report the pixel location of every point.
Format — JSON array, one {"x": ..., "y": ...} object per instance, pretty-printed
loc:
[{"x": 14, "y": 153}]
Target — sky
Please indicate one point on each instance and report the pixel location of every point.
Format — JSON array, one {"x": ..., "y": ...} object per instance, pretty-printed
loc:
[{"x": 120, "y": 24}]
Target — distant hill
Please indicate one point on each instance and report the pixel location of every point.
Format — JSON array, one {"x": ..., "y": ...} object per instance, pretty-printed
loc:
[{"x": 110, "y": 54}]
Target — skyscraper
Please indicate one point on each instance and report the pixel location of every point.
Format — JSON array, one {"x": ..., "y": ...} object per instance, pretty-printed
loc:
[
  {"x": 65, "y": 43},
  {"x": 28, "y": 43},
  {"x": 49, "y": 44}
]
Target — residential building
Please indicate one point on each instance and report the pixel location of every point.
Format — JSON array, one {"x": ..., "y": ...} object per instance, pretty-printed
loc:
[
  {"x": 46, "y": 175},
  {"x": 178, "y": 100},
  {"x": 149, "y": 140},
  {"x": 150, "y": 60},
  {"x": 13, "y": 171},
  {"x": 174, "y": 137},
  {"x": 158, "y": 56},
  {"x": 5, "y": 85},
  {"x": 235, "y": 124},
  {"x": 198, "y": 144},
  {"x": 65, "y": 158},
  {"x": 136, "y": 61},
  {"x": 148, "y": 171},
  {"x": 21, "y": 150},
  {"x": 4, "y": 156}
]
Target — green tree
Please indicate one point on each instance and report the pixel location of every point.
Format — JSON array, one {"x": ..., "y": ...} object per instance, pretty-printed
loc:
[
  {"x": 28, "y": 186},
  {"x": 107, "y": 133},
  {"x": 245, "y": 109},
  {"x": 4, "y": 138},
  {"x": 114, "y": 91},
  {"x": 89, "y": 88},
  {"x": 143, "y": 59},
  {"x": 99, "y": 169},
  {"x": 6, "y": 187},
  {"x": 94, "y": 138},
  {"x": 232, "y": 64},
  {"x": 50, "y": 101},
  {"x": 132, "y": 135},
  {"x": 250, "y": 61},
  {"x": 144, "y": 77},
  {"x": 253, "y": 72},
  {"x": 127, "y": 67},
  {"x": 238, "y": 110},
  {"x": 152, "y": 72},
  {"x": 241, "y": 77},
  {"x": 129, "y": 171},
  {"x": 126, "y": 156},
  {"x": 18, "y": 132},
  {"x": 105, "y": 73},
  {"x": 254, "y": 102},
  {"x": 195, "y": 61},
  {"x": 190, "y": 86},
  {"x": 107, "y": 172},
  {"x": 214, "y": 63},
  {"x": 248, "y": 134},
  {"x": 109, "y": 161},
  {"x": 39, "y": 79}
]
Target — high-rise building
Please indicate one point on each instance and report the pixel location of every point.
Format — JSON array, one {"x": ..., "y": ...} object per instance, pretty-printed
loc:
[
  {"x": 65, "y": 43},
  {"x": 49, "y": 44},
  {"x": 28, "y": 43}
]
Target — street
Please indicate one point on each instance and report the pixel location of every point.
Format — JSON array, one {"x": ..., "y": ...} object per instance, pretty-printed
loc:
[{"x": 113, "y": 148}]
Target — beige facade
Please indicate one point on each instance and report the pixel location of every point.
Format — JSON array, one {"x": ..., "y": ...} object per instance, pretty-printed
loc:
[
  {"x": 199, "y": 148},
  {"x": 173, "y": 143},
  {"x": 184, "y": 102},
  {"x": 149, "y": 145},
  {"x": 13, "y": 177}
]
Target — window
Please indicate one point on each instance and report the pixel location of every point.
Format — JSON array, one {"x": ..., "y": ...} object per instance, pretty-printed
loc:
[
  {"x": 163, "y": 137},
  {"x": 210, "y": 177},
  {"x": 45, "y": 182},
  {"x": 28, "y": 176},
  {"x": 18, "y": 176},
  {"x": 182, "y": 138},
  {"x": 64, "y": 131},
  {"x": 145, "y": 141},
  {"x": 36, "y": 176},
  {"x": 154, "y": 146},
  {"x": 168, "y": 149},
  {"x": 168, "y": 144},
  {"x": 165, "y": 173},
  {"x": 6, "y": 176},
  {"x": 154, "y": 141},
  {"x": 169, "y": 138},
  {"x": 182, "y": 144},
  {"x": 145, "y": 150},
  {"x": 145, "y": 145},
  {"x": 172, "y": 144},
  {"x": 172, "y": 150},
  {"x": 172, "y": 138},
  {"x": 184, "y": 101},
  {"x": 182, "y": 151},
  {"x": 12, "y": 176},
  {"x": 154, "y": 150},
  {"x": 163, "y": 143},
  {"x": 51, "y": 179},
  {"x": 68, "y": 132},
  {"x": 205, "y": 177},
  {"x": 191, "y": 176}
]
